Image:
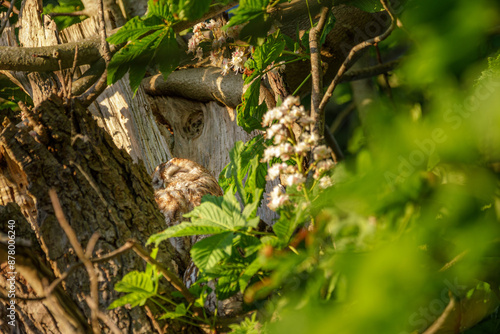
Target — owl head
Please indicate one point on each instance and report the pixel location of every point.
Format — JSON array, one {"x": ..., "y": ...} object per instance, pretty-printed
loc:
[{"x": 183, "y": 171}]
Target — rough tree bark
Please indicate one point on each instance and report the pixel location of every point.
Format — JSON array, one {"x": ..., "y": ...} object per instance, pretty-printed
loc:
[
  {"x": 107, "y": 190},
  {"x": 100, "y": 189}
]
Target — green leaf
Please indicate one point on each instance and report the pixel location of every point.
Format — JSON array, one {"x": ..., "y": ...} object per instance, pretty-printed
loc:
[
  {"x": 247, "y": 326},
  {"x": 245, "y": 165},
  {"x": 190, "y": 9},
  {"x": 223, "y": 212},
  {"x": 227, "y": 286},
  {"x": 167, "y": 54},
  {"x": 253, "y": 14},
  {"x": 285, "y": 226},
  {"x": 208, "y": 252},
  {"x": 268, "y": 52},
  {"x": 136, "y": 56},
  {"x": 180, "y": 311},
  {"x": 228, "y": 269},
  {"x": 249, "y": 272},
  {"x": 134, "y": 29},
  {"x": 139, "y": 287},
  {"x": 132, "y": 57},
  {"x": 248, "y": 244},
  {"x": 159, "y": 8},
  {"x": 184, "y": 229},
  {"x": 215, "y": 215},
  {"x": 330, "y": 23},
  {"x": 247, "y": 10},
  {"x": 250, "y": 112}
]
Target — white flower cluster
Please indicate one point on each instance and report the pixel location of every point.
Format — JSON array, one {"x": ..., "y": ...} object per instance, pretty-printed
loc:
[
  {"x": 286, "y": 146},
  {"x": 212, "y": 32}
]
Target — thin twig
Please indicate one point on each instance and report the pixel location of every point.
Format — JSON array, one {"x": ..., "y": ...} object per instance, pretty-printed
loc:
[
  {"x": 370, "y": 71},
  {"x": 127, "y": 246},
  {"x": 7, "y": 4},
  {"x": 6, "y": 18},
  {"x": 332, "y": 143},
  {"x": 88, "y": 97},
  {"x": 440, "y": 322},
  {"x": 70, "y": 233},
  {"x": 386, "y": 77},
  {"x": 318, "y": 114},
  {"x": 93, "y": 93},
  {"x": 91, "y": 244},
  {"x": 71, "y": 73},
  {"x": 453, "y": 261},
  {"x": 102, "y": 32},
  {"x": 316, "y": 71},
  {"x": 356, "y": 49},
  {"x": 77, "y": 13},
  {"x": 341, "y": 116},
  {"x": 103, "y": 317}
]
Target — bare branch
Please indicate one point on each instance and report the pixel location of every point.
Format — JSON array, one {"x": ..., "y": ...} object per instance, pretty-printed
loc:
[
  {"x": 202, "y": 84},
  {"x": 102, "y": 32},
  {"x": 93, "y": 93},
  {"x": 355, "y": 50},
  {"x": 367, "y": 72},
  {"x": 341, "y": 116},
  {"x": 317, "y": 71},
  {"x": 87, "y": 79},
  {"x": 332, "y": 143},
  {"x": 8, "y": 4},
  {"x": 6, "y": 18},
  {"x": 45, "y": 58},
  {"x": 77, "y": 13},
  {"x": 94, "y": 288}
]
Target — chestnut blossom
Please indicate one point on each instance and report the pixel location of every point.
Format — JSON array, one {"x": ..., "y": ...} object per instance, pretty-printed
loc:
[
  {"x": 272, "y": 115},
  {"x": 321, "y": 152},
  {"x": 286, "y": 145},
  {"x": 306, "y": 120},
  {"x": 197, "y": 27},
  {"x": 280, "y": 137},
  {"x": 275, "y": 170},
  {"x": 302, "y": 148},
  {"x": 325, "y": 182},
  {"x": 294, "y": 179},
  {"x": 290, "y": 101},
  {"x": 297, "y": 112},
  {"x": 225, "y": 66},
  {"x": 238, "y": 61},
  {"x": 277, "y": 198},
  {"x": 211, "y": 25},
  {"x": 193, "y": 44},
  {"x": 270, "y": 153},
  {"x": 287, "y": 120},
  {"x": 285, "y": 150},
  {"x": 311, "y": 139},
  {"x": 325, "y": 165},
  {"x": 273, "y": 130}
]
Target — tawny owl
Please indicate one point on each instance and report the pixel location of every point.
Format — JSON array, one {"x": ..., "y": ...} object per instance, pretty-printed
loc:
[{"x": 179, "y": 185}]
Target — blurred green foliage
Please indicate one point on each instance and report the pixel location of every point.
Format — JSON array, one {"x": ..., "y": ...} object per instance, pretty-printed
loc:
[{"x": 417, "y": 193}]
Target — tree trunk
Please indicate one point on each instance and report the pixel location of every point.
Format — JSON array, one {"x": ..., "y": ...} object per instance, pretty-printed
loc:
[{"x": 100, "y": 189}]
